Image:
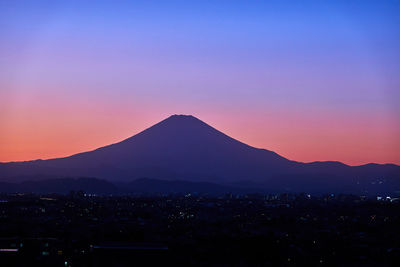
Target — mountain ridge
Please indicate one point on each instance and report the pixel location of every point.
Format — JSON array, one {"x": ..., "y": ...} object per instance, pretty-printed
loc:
[
  {"x": 194, "y": 118},
  {"x": 182, "y": 147}
]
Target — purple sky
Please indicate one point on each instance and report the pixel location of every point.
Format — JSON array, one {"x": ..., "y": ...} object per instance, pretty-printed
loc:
[{"x": 313, "y": 80}]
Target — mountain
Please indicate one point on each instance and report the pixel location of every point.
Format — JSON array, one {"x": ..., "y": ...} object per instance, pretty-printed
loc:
[{"x": 185, "y": 148}]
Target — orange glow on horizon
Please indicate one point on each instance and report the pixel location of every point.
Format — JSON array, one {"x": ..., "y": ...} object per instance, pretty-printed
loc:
[{"x": 300, "y": 137}]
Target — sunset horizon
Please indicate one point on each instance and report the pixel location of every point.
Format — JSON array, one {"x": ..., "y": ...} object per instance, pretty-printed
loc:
[{"x": 87, "y": 147}]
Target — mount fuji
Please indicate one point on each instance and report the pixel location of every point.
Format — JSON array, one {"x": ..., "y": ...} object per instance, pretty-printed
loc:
[{"x": 185, "y": 148}]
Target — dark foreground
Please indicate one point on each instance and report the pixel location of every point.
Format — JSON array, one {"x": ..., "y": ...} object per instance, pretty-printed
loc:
[{"x": 285, "y": 230}]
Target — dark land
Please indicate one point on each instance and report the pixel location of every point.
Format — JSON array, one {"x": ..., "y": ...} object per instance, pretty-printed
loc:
[{"x": 81, "y": 229}]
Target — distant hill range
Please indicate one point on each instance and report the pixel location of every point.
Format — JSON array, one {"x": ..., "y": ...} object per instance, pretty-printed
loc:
[
  {"x": 185, "y": 149},
  {"x": 102, "y": 187}
]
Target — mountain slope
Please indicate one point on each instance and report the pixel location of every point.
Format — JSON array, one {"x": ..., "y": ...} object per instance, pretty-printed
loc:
[
  {"x": 178, "y": 147},
  {"x": 185, "y": 148}
]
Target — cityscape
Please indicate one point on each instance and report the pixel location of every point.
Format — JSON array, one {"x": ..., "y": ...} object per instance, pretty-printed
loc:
[{"x": 79, "y": 229}]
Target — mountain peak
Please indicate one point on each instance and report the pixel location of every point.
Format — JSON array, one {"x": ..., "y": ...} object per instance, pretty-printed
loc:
[
  {"x": 181, "y": 122},
  {"x": 181, "y": 117}
]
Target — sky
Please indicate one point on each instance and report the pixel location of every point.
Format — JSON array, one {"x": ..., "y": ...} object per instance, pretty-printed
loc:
[{"x": 310, "y": 80}]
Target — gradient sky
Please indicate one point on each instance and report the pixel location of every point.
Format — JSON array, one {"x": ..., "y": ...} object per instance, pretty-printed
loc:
[{"x": 310, "y": 80}]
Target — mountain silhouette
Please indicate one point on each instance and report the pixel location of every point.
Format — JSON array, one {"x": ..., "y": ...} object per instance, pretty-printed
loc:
[{"x": 185, "y": 148}]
